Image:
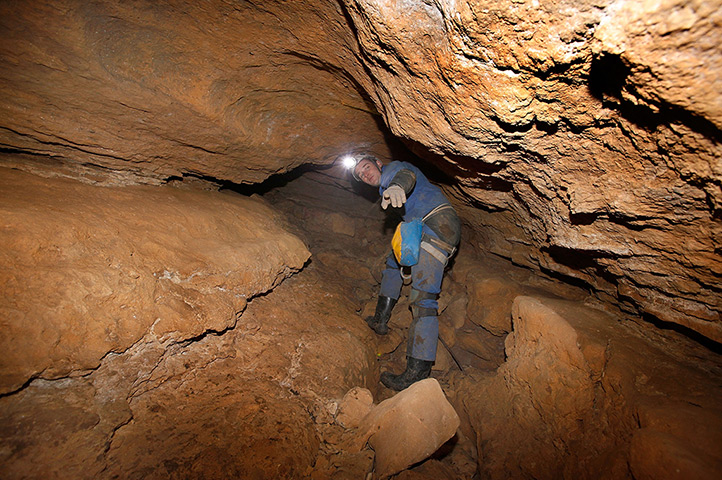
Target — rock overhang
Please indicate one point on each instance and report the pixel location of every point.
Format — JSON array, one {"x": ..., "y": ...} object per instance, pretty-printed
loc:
[{"x": 575, "y": 140}]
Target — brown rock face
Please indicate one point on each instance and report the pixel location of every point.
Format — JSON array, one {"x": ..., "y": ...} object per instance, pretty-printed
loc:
[
  {"x": 579, "y": 393},
  {"x": 88, "y": 270},
  {"x": 585, "y": 135},
  {"x": 218, "y": 395},
  {"x": 149, "y": 91},
  {"x": 580, "y": 397},
  {"x": 580, "y": 140}
]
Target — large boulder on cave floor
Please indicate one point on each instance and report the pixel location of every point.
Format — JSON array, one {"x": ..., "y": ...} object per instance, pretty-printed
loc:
[{"x": 580, "y": 396}]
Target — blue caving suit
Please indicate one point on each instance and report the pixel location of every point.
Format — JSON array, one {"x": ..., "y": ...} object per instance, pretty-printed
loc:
[{"x": 421, "y": 198}]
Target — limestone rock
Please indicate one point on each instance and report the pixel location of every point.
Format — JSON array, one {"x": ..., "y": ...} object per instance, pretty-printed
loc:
[
  {"x": 345, "y": 266},
  {"x": 571, "y": 130},
  {"x": 58, "y": 429},
  {"x": 89, "y": 270},
  {"x": 253, "y": 401},
  {"x": 149, "y": 92},
  {"x": 475, "y": 343},
  {"x": 685, "y": 422},
  {"x": 344, "y": 466},
  {"x": 354, "y": 406},
  {"x": 490, "y": 302},
  {"x": 576, "y": 387},
  {"x": 581, "y": 137},
  {"x": 369, "y": 308},
  {"x": 447, "y": 332},
  {"x": 408, "y": 427}
]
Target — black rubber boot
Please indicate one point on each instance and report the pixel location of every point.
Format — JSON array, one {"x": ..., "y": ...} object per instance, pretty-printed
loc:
[
  {"x": 415, "y": 370},
  {"x": 379, "y": 322}
]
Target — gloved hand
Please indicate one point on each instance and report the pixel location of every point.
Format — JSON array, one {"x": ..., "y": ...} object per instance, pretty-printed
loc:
[{"x": 394, "y": 195}]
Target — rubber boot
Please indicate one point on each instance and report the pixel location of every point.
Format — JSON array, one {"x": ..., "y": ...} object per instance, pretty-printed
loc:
[
  {"x": 415, "y": 370},
  {"x": 379, "y": 322}
]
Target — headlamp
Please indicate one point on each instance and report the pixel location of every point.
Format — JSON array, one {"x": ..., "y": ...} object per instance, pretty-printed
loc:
[{"x": 349, "y": 162}]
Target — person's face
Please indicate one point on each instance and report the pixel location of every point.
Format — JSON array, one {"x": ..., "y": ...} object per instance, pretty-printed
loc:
[{"x": 369, "y": 172}]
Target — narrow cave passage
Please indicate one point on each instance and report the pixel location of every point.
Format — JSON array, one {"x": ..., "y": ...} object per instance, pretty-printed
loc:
[
  {"x": 264, "y": 395},
  {"x": 534, "y": 368},
  {"x": 185, "y": 273}
]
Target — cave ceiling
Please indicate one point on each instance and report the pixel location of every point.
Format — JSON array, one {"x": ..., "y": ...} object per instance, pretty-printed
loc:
[{"x": 580, "y": 138}]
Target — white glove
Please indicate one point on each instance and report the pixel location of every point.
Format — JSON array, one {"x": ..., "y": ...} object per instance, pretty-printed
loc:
[{"x": 394, "y": 195}]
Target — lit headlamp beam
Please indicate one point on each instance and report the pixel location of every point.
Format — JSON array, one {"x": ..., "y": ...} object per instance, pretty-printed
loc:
[{"x": 349, "y": 162}]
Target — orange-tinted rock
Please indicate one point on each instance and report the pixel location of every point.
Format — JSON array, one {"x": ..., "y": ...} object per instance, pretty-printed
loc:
[
  {"x": 151, "y": 91},
  {"x": 587, "y": 132},
  {"x": 251, "y": 401},
  {"x": 490, "y": 302},
  {"x": 354, "y": 406},
  {"x": 570, "y": 398},
  {"x": 584, "y": 136},
  {"x": 91, "y": 270},
  {"x": 686, "y": 422},
  {"x": 408, "y": 427},
  {"x": 580, "y": 139}
]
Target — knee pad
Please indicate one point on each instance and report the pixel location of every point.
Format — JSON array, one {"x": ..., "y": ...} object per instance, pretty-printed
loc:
[{"x": 416, "y": 298}]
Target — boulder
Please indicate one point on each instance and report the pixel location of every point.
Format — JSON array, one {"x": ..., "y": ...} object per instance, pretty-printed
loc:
[
  {"x": 354, "y": 406},
  {"x": 408, "y": 427}
]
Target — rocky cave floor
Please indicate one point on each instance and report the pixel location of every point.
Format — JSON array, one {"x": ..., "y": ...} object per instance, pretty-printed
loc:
[{"x": 261, "y": 398}]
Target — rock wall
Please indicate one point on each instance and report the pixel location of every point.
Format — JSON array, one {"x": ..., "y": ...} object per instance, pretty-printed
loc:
[
  {"x": 149, "y": 90},
  {"x": 583, "y": 136},
  {"x": 579, "y": 392},
  {"x": 582, "y": 397},
  {"x": 88, "y": 271}
]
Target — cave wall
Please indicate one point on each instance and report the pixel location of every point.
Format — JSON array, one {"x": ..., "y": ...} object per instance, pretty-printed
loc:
[
  {"x": 89, "y": 271},
  {"x": 583, "y": 137},
  {"x": 587, "y": 134},
  {"x": 152, "y": 90}
]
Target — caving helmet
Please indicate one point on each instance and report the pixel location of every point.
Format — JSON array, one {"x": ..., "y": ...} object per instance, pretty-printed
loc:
[{"x": 350, "y": 162}]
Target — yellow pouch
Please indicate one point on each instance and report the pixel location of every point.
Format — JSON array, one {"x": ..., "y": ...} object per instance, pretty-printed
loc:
[
  {"x": 406, "y": 242},
  {"x": 396, "y": 243}
]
